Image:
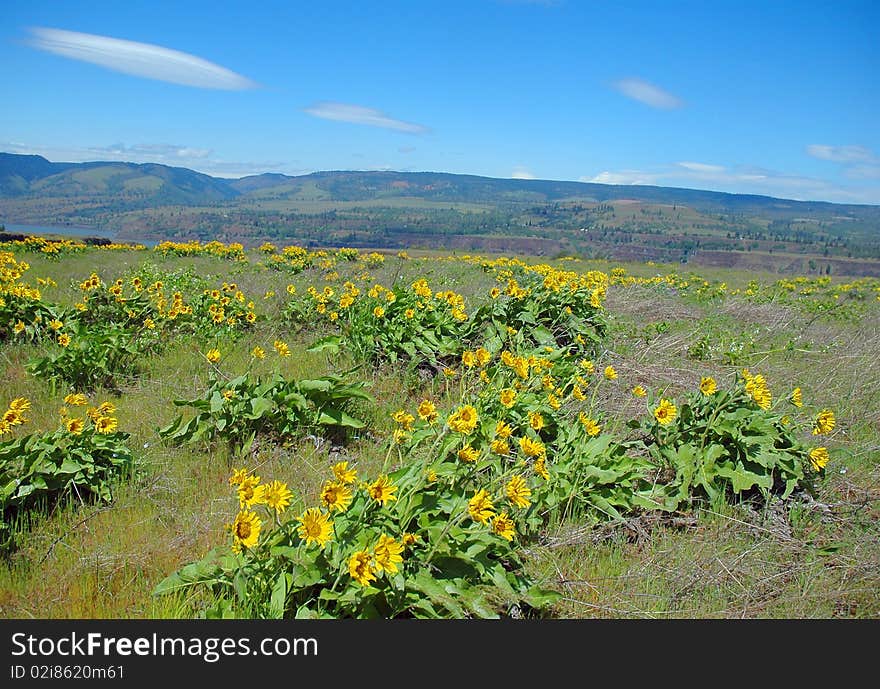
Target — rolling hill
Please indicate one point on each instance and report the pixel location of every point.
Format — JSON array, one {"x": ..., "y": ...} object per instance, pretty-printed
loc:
[{"x": 433, "y": 209}]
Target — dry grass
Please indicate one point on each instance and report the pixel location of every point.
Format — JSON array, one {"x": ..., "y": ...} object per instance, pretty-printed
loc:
[{"x": 811, "y": 557}]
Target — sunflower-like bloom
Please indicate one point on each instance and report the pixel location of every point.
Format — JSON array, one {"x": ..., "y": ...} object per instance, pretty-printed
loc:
[
  {"x": 281, "y": 347},
  {"x": 483, "y": 356},
  {"x": 590, "y": 426},
  {"x": 76, "y": 399},
  {"x": 708, "y": 386},
  {"x": 361, "y": 569},
  {"x": 504, "y": 526},
  {"x": 518, "y": 493},
  {"x": 463, "y": 420},
  {"x": 757, "y": 389},
  {"x": 63, "y": 339},
  {"x": 106, "y": 409},
  {"x": 106, "y": 424},
  {"x": 427, "y": 411},
  {"x": 251, "y": 492},
  {"x": 665, "y": 412},
  {"x": 532, "y": 448},
  {"x": 468, "y": 358},
  {"x": 315, "y": 527},
  {"x": 610, "y": 373},
  {"x": 277, "y": 496},
  {"x": 20, "y": 405},
  {"x": 213, "y": 355},
  {"x": 343, "y": 474},
  {"x": 238, "y": 475},
  {"x": 405, "y": 419},
  {"x": 503, "y": 430},
  {"x": 540, "y": 467},
  {"x": 639, "y": 391},
  {"x": 819, "y": 458},
  {"x": 480, "y": 507},
  {"x": 536, "y": 421},
  {"x": 245, "y": 530},
  {"x": 382, "y": 490},
  {"x": 378, "y": 311},
  {"x": 796, "y": 397},
  {"x": 258, "y": 353},
  {"x": 387, "y": 554},
  {"x": 74, "y": 426},
  {"x": 824, "y": 422},
  {"x": 336, "y": 495},
  {"x": 507, "y": 397},
  {"x": 468, "y": 454},
  {"x": 499, "y": 446}
]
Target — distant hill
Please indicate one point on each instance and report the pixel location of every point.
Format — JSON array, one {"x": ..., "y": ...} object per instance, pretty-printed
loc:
[
  {"x": 434, "y": 209},
  {"x": 128, "y": 184}
]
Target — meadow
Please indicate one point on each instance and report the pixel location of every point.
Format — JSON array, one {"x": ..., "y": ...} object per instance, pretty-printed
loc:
[{"x": 201, "y": 430}]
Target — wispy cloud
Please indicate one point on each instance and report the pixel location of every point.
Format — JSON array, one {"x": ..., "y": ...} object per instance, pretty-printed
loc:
[
  {"x": 647, "y": 93},
  {"x": 520, "y": 172},
  {"x": 700, "y": 167},
  {"x": 139, "y": 59},
  {"x": 358, "y": 114},
  {"x": 192, "y": 157},
  {"x": 857, "y": 162},
  {"x": 740, "y": 179},
  {"x": 842, "y": 154},
  {"x": 622, "y": 177}
]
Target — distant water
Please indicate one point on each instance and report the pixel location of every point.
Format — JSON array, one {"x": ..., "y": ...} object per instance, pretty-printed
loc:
[{"x": 68, "y": 231}]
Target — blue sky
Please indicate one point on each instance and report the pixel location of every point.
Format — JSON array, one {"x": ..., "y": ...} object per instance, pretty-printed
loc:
[{"x": 776, "y": 98}]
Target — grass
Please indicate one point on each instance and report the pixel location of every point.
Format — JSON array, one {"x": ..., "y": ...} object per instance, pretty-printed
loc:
[{"x": 807, "y": 557}]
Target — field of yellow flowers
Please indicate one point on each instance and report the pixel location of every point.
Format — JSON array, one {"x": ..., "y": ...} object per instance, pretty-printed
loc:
[{"x": 202, "y": 430}]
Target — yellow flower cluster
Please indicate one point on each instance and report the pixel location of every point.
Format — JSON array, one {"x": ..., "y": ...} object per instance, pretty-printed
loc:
[
  {"x": 14, "y": 415},
  {"x": 757, "y": 389}
]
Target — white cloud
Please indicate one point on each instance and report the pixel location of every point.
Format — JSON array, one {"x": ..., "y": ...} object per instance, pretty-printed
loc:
[
  {"x": 863, "y": 172},
  {"x": 358, "y": 114},
  {"x": 621, "y": 177},
  {"x": 842, "y": 154},
  {"x": 647, "y": 93},
  {"x": 198, "y": 159},
  {"x": 742, "y": 180},
  {"x": 700, "y": 167},
  {"x": 140, "y": 59},
  {"x": 519, "y": 172}
]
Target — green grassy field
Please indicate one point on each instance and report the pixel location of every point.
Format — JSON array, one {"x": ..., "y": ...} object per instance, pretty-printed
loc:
[{"x": 812, "y": 554}]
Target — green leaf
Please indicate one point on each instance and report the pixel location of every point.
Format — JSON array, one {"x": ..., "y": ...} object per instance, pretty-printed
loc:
[
  {"x": 260, "y": 406},
  {"x": 279, "y": 597},
  {"x": 331, "y": 344},
  {"x": 336, "y": 417},
  {"x": 202, "y": 572}
]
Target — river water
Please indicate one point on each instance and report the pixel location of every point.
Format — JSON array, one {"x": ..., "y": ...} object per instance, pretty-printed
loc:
[{"x": 67, "y": 231}]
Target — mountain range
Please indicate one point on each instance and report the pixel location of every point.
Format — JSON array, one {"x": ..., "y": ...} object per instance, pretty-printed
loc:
[{"x": 379, "y": 208}]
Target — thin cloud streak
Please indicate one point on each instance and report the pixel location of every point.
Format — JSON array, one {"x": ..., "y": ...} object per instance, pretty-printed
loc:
[
  {"x": 198, "y": 159},
  {"x": 520, "y": 172},
  {"x": 739, "y": 180},
  {"x": 139, "y": 59},
  {"x": 842, "y": 154},
  {"x": 358, "y": 114},
  {"x": 647, "y": 93}
]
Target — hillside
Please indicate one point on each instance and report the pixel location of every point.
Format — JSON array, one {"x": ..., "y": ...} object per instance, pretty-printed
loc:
[{"x": 430, "y": 209}]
